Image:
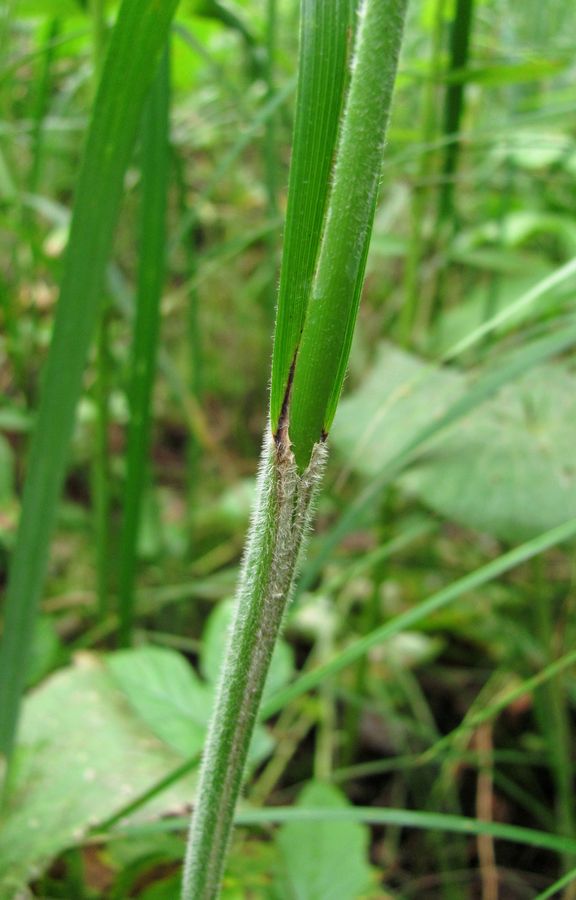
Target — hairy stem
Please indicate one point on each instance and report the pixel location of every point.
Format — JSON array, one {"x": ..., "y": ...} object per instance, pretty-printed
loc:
[{"x": 279, "y": 524}]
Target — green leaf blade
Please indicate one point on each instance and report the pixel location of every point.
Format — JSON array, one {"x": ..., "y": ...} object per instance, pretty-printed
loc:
[
  {"x": 331, "y": 313},
  {"x": 154, "y": 202},
  {"x": 324, "y": 48},
  {"x": 135, "y": 47}
]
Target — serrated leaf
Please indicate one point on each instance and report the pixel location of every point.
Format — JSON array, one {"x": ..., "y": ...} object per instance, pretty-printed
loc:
[{"x": 324, "y": 860}]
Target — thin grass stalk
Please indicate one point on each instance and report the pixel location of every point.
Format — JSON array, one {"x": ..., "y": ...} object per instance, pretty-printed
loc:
[
  {"x": 279, "y": 523},
  {"x": 41, "y": 101},
  {"x": 552, "y": 709},
  {"x": 193, "y": 379},
  {"x": 454, "y": 108},
  {"x": 567, "y": 881},
  {"x": 414, "y": 279},
  {"x": 370, "y": 815},
  {"x": 100, "y": 474},
  {"x": 133, "y": 54},
  {"x": 9, "y": 190},
  {"x": 460, "y": 40},
  {"x": 190, "y": 386},
  {"x": 98, "y": 22},
  {"x": 270, "y": 144},
  {"x": 153, "y": 206},
  {"x": 288, "y": 480},
  {"x": 494, "y": 286}
]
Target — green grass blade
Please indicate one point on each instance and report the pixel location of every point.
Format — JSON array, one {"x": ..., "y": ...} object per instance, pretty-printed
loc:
[
  {"x": 555, "y": 889},
  {"x": 155, "y": 159},
  {"x": 475, "y": 719},
  {"x": 331, "y": 312},
  {"x": 324, "y": 50},
  {"x": 400, "y": 818},
  {"x": 460, "y": 39},
  {"x": 352, "y": 653},
  {"x": 407, "y": 818},
  {"x": 41, "y": 105},
  {"x": 134, "y": 52},
  {"x": 525, "y": 301},
  {"x": 100, "y": 474}
]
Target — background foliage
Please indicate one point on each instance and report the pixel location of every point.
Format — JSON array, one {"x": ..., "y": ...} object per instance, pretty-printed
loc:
[{"x": 454, "y": 444}]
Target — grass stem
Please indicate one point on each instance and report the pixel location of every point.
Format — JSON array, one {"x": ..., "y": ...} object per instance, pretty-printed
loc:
[
  {"x": 279, "y": 524},
  {"x": 154, "y": 150}
]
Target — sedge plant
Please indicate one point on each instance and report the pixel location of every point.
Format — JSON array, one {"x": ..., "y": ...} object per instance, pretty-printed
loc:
[{"x": 346, "y": 75}]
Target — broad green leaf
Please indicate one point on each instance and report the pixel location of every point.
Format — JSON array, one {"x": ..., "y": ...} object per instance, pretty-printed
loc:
[
  {"x": 214, "y": 640},
  {"x": 174, "y": 703},
  {"x": 510, "y": 468},
  {"x": 83, "y": 755},
  {"x": 507, "y": 468},
  {"x": 411, "y": 396},
  {"x": 486, "y": 385},
  {"x": 517, "y": 228},
  {"x": 166, "y": 692},
  {"x": 326, "y": 859}
]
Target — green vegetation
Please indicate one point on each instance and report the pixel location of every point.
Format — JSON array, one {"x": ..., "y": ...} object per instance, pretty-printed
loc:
[
  {"x": 310, "y": 375},
  {"x": 415, "y": 734}
]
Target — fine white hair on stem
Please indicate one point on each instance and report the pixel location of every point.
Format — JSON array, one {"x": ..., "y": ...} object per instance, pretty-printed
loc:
[{"x": 279, "y": 525}]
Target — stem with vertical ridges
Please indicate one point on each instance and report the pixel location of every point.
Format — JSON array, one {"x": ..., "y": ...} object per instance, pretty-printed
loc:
[{"x": 279, "y": 525}]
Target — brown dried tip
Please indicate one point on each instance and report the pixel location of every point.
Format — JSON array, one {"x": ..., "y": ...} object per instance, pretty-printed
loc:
[{"x": 282, "y": 436}]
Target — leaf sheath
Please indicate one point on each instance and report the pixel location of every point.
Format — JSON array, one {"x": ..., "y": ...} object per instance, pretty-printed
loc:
[{"x": 279, "y": 524}]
